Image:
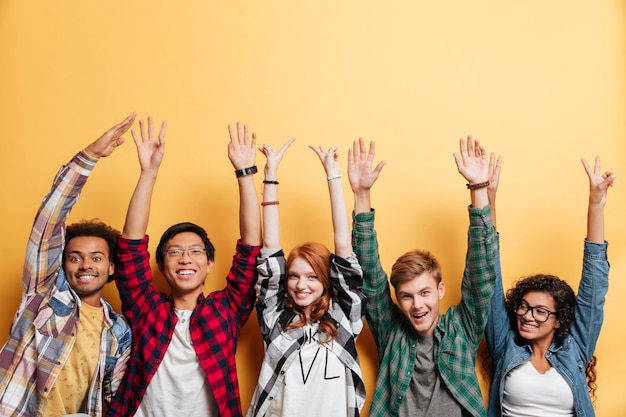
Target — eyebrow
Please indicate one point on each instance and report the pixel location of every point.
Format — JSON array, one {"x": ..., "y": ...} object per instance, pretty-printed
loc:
[
  {"x": 538, "y": 305},
  {"x": 77, "y": 252}
]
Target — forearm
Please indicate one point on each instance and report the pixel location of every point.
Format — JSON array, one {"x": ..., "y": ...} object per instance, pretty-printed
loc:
[
  {"x": 47, "y": 238},
  {"x": 595, "y": 223},
  {"x": 249, "y": 212},
  {"x": 138, "y": 213},
  {"x": 362, "y": 201},
  {"x": 271, "y": 219},
  {"x": 479, "y": 198},
  {"x": 479, "y": 280},
  {"x": 341, "y": 228}
]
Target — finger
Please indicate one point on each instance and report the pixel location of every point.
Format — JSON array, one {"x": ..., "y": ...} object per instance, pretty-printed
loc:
[
  {"x": 379, "y": 167},
  {"x": 286, "y": 145},
  {"x": 608, "y": 181},
  {"x": 372, "y": 151},
  {"x": 363, "y": 149},
  {"x": 142, "y": 127},
  {"x": 597, "y": 165},
  {"x": 231, "y": 132},
  {"x": 135, "y": 138},
  {"x": 245, "y": 135},
  {"x": 470, "y": 146},
  {"x": 462, "y": 149},
  {"x": 121, "y": 128},
  {"x": 458, "y": 159},
  {"x": 253, "y": 142},
  {"x": 587, "y": 167},
  {"x": 162, "y": 132},
  {"x": 352, "y": 153},
  {"x": 316, "y": 150},
  {"x": 239, "y": 132},
  {"x": 498, "y": 166},
  {"x": 150, "y": 128}
]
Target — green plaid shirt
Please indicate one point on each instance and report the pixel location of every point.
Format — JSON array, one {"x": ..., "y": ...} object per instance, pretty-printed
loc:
[{"x": 458, "y": 331}]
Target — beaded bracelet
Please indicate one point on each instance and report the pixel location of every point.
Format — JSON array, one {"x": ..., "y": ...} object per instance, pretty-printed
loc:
[{"x": 478, "y": 186}]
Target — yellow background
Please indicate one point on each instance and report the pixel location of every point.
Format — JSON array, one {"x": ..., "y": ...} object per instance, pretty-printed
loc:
[{"x": 540, "y": 82}]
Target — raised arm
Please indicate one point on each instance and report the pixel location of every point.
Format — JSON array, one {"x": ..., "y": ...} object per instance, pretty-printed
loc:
[
  {"x": 271, "y": 220},
  {"x": 150, "y": 150},
  {"x": 599, "y": 183},
  {"x": 473, "y": 165},
  {"x": 242, "y": 154},
  {"x": 47, "y": 238},
  {"x": 341, "y": 228},
  {"x": 361, "y": 175}
]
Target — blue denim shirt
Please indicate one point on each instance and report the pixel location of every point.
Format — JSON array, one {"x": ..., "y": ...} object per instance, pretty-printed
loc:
[{"x": 569, "y": 359}]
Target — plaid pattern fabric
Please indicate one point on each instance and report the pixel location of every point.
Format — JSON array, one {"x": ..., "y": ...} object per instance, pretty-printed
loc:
[
  {"x": 214, "y": 326},
  {"x": 458, "y": 331},
  {"x": 43, "y": 331},
  {"x": 281, "y": 346}
]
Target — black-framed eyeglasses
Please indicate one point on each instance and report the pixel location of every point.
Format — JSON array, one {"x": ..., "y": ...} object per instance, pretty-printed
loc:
[
  {"x": 540, "y": 314},
  {"x": 194, "y": 252}
]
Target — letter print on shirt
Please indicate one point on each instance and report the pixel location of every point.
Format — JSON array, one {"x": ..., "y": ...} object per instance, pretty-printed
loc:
[{"x": 309, "y": 357}]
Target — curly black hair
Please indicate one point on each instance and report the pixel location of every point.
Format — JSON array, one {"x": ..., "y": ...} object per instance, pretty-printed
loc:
[{"x": 559, "y": 290}]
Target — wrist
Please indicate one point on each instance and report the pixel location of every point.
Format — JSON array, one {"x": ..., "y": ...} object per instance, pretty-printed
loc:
[
  {"x": 246, "y": 171},
  {"x": 91, "y": 153}
]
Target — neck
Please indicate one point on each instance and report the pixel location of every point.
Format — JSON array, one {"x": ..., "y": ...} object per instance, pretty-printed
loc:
[{"x": 185, "y": 301}]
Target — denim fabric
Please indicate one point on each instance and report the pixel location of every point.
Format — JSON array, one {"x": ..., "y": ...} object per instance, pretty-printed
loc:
[{"x": 569, "y": 359}]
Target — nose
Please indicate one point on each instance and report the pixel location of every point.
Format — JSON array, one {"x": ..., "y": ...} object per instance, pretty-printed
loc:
[
  {"x": 185, "y": 257},
  {"x": 301, "y": 284},
  {"x": 85, "y": 264},
  {"x": 528, "y": 311}
]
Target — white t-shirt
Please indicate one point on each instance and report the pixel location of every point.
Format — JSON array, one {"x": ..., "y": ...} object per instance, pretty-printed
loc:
[
  {"x": 179, "y": 386},
  {"x": 314, "y": 384},
  {"x": 530, "y": 393}
]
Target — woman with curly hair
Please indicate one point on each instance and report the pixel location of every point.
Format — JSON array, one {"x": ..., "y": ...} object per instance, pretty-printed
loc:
[
  {"x": 310, "y": 308},
  {"x": 541, "y": 336}
]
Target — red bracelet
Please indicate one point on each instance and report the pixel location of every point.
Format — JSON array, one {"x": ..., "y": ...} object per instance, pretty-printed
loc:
[{"x": 269, "y": 203}]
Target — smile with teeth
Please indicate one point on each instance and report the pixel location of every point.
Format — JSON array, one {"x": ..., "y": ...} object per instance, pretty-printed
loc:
[
  {"x": 528, "y": 326},
  {"x": 302, "y": 295},
  {"x": 186, "y": 273},
  {"x": 86, "y": 277},
  {"x": 418, "y": 316}
]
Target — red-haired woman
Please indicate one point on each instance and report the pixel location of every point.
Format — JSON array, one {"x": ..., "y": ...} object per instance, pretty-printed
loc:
[{"x": 310, "y": 310}]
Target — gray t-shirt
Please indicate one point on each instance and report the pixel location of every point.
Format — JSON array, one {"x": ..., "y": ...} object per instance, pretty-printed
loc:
[{"x": 427, "y": 395}]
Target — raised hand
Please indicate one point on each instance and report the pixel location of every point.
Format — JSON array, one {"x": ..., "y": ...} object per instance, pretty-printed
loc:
[
  {"x": 360, "y": 161},
  {"x": 274, "y": 157},
  {"x": 242, "y": 147},
  {"x": 472, "y": 161},
  {"x": 598, "y": 182},
  {"x": 111, "y": 139},
  {"x": 150, "y": 149},
  {"x": 328, "y": 158}
]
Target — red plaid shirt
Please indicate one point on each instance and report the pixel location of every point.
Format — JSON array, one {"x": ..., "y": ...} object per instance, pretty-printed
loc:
[{"x": 214, "y": 327}]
